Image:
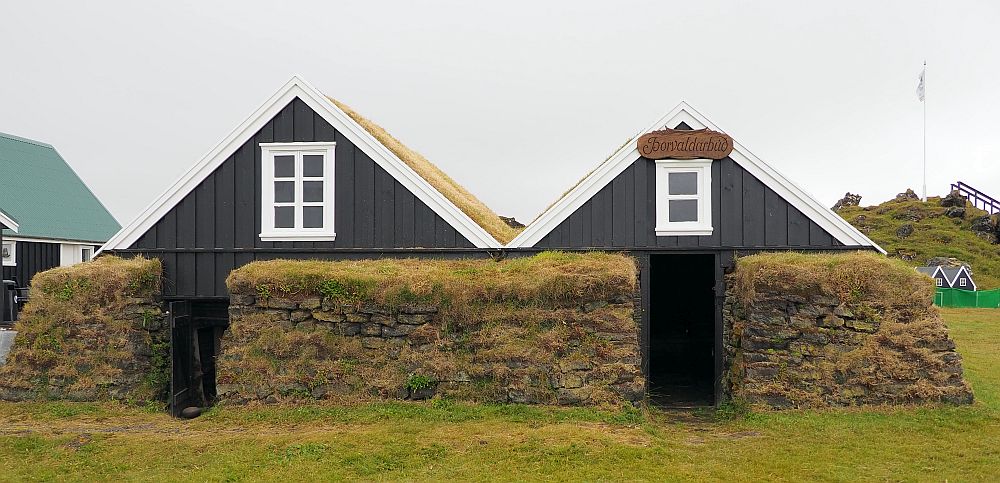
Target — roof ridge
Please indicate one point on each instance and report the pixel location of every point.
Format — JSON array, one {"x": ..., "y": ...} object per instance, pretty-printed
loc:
[{"x": 25, "y": 140}]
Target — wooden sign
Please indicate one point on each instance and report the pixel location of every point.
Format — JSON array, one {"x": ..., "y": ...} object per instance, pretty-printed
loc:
[{"x": 680, "y": 144}]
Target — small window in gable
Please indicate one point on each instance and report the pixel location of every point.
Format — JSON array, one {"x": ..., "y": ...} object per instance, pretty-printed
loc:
[
  {"x": 10, "y": 254},
  {"x": 939, "y": 282},
  {"x": 297, "y": 191},
  {"x": 961, "y": 282},
  {"x": 683, "y": 197}
]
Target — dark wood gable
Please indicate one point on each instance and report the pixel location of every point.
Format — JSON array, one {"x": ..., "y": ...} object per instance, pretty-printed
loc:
[
  {"x": 215, "y": 228},
  {"x": 745, "y": 215}
]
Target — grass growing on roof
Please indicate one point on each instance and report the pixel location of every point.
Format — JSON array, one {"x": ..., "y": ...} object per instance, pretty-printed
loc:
[
  {"x": 549, "y": 279},
  {"x": 456, "y": 193}
]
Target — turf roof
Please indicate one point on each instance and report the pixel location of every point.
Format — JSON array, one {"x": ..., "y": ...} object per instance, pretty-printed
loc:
[
  {"x": 45, "y": 195},
  {"x": 456, "y": 193}
]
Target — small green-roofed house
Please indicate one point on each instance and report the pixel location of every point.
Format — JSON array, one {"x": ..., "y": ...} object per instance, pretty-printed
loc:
[{"x": 59, "y": 220}]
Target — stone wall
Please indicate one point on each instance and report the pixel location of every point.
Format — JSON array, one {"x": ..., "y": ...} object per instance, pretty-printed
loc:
[
  {"x": 312, "y": 346},
  {"x": 93, "y": 331},
  {"x": 811, "y": 346}
]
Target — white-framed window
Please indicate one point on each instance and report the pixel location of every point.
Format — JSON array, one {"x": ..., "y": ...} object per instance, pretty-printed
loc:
[
  {"x": 86, "y": 254},
  {"x": 939, "y": 282},
  {"x": 961, "y": 282},
  {"x": 297, "y": 192},
  {"x": 683, "y": 197},
  {"x": 9, "y": 253}
]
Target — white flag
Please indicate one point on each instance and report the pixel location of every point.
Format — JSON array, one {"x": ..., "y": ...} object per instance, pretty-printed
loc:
[{"x": 920, "y": 86}]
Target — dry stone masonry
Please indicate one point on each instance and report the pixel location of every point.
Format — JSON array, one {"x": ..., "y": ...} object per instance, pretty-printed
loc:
[
  {"x": 816, "y": 347},
  {"x": 312, "y": 346}
]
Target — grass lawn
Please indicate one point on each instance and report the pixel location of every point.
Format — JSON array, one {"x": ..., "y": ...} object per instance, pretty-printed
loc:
[{"x": 439, "y": 441}]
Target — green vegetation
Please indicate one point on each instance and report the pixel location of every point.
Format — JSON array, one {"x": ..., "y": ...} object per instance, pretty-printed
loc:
[
  {"x": 441, "y": 440},
  {"x": 549, "y": 279},
  {"x": 74, "y": 338},
  {"x": 934, "y": 235},
  {"x": 456, "y": 193}
]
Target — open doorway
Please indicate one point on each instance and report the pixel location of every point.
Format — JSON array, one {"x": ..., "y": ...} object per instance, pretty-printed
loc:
[
  {"x": 195, "y": 339},
  {"x": 682, "y": 330}
]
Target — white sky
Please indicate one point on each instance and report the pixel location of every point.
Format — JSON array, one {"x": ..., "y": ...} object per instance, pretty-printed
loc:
[{"x": 516, "y": 100}]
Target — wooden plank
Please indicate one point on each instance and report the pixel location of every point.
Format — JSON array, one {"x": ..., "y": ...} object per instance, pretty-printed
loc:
[
  {"x": 364, "y": 200},
  {"x": 302, "y": 123},
  {"x": 798, "y": 227},
  {"x": 265, "y": 135},
  {"x": 385, "y": 218},
  {"x": 444, "y": 234},
  {"x": 629, "y": 202},
  {"x": 818, "y": 237},
  {"x": 424, "y": 220},
  {"x": 186, "y": 222},
  {"x": 166, "y": 232},
  {"x": 776, "y": 219},
  {"x": 753, "y": 211},
  {"x": 186, "y": 278},
  {"x": 234, "y": 202},
  {"x": 403, "y": 212},
  {"x": 224, "y": 263},
  {"x": 283, "y": 124},
  {"x": 576, "y": 238},
  {"x": 731, "y": 204},
  {"x": 205, "y": 213},
  {"x": 714, "y": 240},
  {"x": 644, "y": 235},
  {"x": 588, "y": 223},
  {"x": 205, "y": 281},
  {"x": 618, "y": 217},
  {"x": 343, "y": 180}
]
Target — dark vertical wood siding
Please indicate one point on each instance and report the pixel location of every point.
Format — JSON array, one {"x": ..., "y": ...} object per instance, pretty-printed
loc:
[
  {"x": 215, "y": 228},
  {"x": 31, "y": 258},
  {"x": 745, "y": 214}
]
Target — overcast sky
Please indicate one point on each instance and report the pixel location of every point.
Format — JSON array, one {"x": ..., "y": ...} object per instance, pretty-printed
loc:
[{"x": 516, "y": 100}]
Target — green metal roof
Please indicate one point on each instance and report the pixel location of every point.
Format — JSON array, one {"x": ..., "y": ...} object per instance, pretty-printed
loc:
[{"x": 46, "y": 197}]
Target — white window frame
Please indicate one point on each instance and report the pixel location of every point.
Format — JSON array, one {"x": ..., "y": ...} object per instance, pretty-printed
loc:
[
  {"x": 267, "y": 230},
  {"x": 84, "y": 256},
  {"x": 939, "y": 282},
  {"x": 664, "y": 227},
  {"x": 961, "y": 281},
  {"x": 12, "y": 261}
]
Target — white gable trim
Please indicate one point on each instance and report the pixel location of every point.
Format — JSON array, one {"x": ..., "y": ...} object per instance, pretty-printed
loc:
[
  {"x": 958, "y": 273},
  {"x": 296, "y": 87},
  {"x": 7, "y": 221},
  {"x": 841, "y": 230}
]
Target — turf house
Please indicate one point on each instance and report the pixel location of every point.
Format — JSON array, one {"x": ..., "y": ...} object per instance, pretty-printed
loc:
[
  {"x": 60, "y": 222},
  {"x": 312, "y": 255}
]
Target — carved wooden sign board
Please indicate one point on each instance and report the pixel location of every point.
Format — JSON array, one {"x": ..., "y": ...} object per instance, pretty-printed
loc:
[{"x": 685, "y": 144}]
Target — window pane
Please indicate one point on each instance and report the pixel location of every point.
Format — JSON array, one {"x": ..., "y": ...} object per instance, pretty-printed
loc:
[
  {"x": 284, "y": 191},
  {"x": 683, "y": 183},
  {"x": 284, "y": 166},
  {"x": 312, "y": 217},
  {"x": 312, "y": 165},
  {"x": 284, "y": 217},
  {"x": 683, "y": 210},
  {"x": 312, "y": 191}
]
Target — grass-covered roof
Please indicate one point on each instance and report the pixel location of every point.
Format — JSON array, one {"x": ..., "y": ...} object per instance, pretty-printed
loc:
[{"x": 456, "y": 193}]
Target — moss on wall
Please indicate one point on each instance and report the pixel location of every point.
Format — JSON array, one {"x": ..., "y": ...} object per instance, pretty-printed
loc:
[
  {"x": 814, "y": 330},
  {"x": 91, "y": 331},
  {"x": 555, "y": 328}
]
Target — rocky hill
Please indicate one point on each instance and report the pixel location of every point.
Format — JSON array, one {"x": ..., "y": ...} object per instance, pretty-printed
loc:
[{"x": 935, "y": 231}]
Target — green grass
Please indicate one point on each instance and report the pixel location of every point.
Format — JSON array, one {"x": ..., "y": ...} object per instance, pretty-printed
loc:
[
  {"x": 934, "y": 235},
  {"x": 442, "y": 440}
]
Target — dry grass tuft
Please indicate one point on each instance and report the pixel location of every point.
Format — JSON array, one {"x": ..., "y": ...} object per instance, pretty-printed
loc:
[{"x": 456, "y": 193}]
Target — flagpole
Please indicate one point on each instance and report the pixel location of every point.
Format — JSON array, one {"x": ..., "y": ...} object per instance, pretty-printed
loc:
[{"x": 925, "y": 129}]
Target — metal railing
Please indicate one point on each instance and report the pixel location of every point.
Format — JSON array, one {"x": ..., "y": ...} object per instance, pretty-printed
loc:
[{"x": 976, "y": 197}]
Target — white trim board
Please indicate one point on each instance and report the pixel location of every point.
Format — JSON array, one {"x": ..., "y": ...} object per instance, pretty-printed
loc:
[
  {"x": 8, "y": 221},
  {"x": 606, "y": 172},
  {"x": 362, "y": 139}
]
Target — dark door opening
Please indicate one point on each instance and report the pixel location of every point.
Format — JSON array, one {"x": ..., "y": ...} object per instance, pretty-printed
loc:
[
  {"x": 682, "y": 335},
  {"x": 196, "y": 329}
]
